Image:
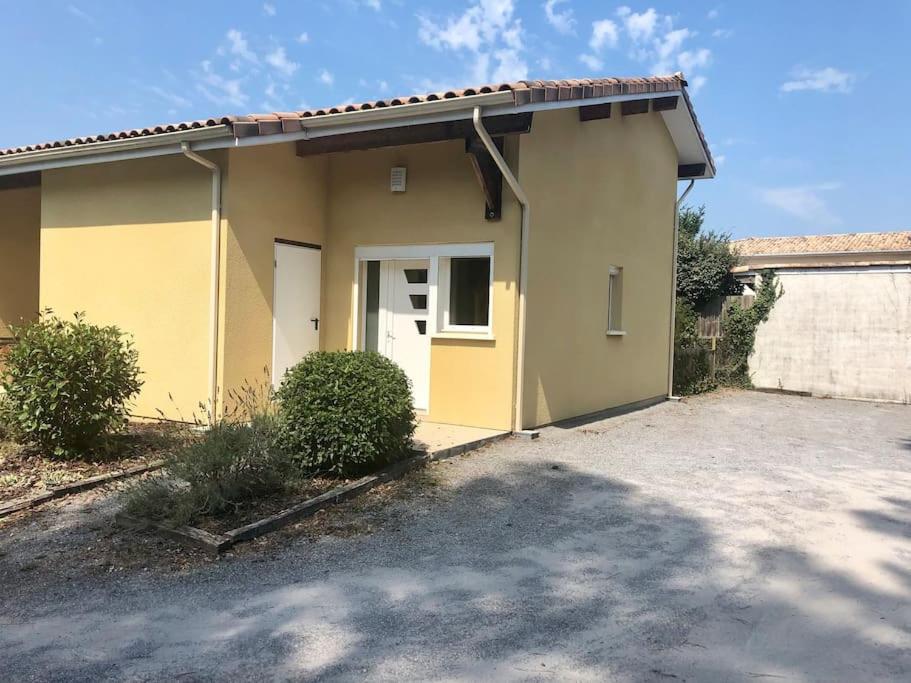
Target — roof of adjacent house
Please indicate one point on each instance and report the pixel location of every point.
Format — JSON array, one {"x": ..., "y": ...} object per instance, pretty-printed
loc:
[
  {"x": 523, "y": 92},
  {"x": 853, "y": 242}
]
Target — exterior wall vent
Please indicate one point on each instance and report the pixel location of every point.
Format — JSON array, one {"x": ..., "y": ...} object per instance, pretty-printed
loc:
[{"x": 397, "y": 178}]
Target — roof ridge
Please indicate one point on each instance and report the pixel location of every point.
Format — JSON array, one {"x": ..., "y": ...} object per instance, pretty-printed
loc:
[
  {"x": 524, "y": 91},
  {"x": 828, "y": 234}
]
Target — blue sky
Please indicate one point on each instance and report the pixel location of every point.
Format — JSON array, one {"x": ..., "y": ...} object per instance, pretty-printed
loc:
[{"x": 806, "y": 104}]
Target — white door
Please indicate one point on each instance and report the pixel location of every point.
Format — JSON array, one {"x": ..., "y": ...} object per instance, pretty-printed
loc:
[
  {"x": 402, "y": 325},
  {"x": 295, "y": 306}
]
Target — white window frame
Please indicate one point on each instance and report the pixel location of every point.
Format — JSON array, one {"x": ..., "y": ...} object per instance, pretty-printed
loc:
[
  {"x": 437, "y": 303},
  {"x": 444, "y": 282},
  {"x": 614, "y": 275}
]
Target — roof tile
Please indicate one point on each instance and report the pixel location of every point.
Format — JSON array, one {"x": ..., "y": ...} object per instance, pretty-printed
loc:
[
  {"x": 524, "y": 92},
  {"x": 856, "y": 242}
]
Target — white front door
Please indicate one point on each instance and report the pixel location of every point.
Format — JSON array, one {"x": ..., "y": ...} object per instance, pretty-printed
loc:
[
  {"x": 295, "y": 306},
  {"x": 402, "y": 324}
]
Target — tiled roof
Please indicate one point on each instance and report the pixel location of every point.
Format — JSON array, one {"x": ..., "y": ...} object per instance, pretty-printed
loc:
[
  {"x": 825, "y": 244},
  {"x": 524, "y": 92}
]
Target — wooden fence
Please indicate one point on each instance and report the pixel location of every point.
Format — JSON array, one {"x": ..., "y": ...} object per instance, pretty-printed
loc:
[{"x": 713, "y": 314}]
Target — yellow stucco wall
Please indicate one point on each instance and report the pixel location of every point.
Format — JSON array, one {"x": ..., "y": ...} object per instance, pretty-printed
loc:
[
  {"x": 470, "y": 380},
  {"x": 128, "y": 244},
  {"x": 270, "y": 193},
  {"x": 20, "y": 219},
  {"x": 601, "y": 193}
]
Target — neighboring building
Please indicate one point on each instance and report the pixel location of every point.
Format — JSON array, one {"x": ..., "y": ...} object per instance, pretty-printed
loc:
[
  {"x": 379, "y": 226},
  {"x": 843, "y": 326}
]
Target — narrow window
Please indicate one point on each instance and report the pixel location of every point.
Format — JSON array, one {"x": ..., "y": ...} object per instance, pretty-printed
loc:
[
  {"x": 372, "y": 307},
  {"x": 615, "y": 300},
  {"x": 469, "y": 291}
]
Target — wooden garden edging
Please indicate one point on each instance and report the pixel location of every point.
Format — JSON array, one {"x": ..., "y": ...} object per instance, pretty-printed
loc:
[
  {"x": 218, "y": 543},
  {"x": 76, "y": 487}
]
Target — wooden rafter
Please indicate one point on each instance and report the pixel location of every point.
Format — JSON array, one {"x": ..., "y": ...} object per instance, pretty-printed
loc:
[
  {"x": 411, "y": 135},
  {"x": 488, "y": 174}
]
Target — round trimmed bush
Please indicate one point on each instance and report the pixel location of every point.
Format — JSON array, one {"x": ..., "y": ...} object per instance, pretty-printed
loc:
[
  {"x": 67, "y": 384},
  {"x": 346, "y": 412}
]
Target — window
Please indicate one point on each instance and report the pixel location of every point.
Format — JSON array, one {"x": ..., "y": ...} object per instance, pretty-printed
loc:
[
  {"x": 458, "y": 302},
  {"x": 465, "y": 293},
  {"x": 615, "y": 301},
  {"x": 469, "y": 291}
]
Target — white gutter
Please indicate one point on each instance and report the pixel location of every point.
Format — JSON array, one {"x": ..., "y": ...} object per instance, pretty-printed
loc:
[
  {"x": 111, "y": 150},
  {"x": 523, "y": 259},
  {"x": 213, "y": 284},
  {"x": 670, "y": 332}
]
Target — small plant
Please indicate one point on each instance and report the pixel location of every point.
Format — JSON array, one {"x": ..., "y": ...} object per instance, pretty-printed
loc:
[
  {"x": 740, "y": 327},
  {"x": 692, "y": 363},
  {"x": 346, "y": 412},
  {"x": 68, "y": 384},
  {"x": 232, "y": 463}
]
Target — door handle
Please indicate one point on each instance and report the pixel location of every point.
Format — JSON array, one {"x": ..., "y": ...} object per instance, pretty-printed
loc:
[{"x": 315, "y": 322}]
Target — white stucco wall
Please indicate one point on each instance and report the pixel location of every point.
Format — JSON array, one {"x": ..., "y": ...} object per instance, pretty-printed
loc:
[{"x": 839, "y": 332}]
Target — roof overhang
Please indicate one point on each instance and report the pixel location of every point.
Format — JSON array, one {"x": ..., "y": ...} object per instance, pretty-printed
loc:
[{"x": 694, "y": 158}]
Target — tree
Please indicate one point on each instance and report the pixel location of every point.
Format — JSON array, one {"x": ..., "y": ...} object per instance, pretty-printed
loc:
[{"x": 704, "y": 260}]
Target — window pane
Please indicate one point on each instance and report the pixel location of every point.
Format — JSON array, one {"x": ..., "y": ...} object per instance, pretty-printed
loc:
[
  {"x": 416, "y": 276},
  {"x": 372, "y": 296},
  {"x": 469, "y": 291},
  {"x": 615, "y": 300}
]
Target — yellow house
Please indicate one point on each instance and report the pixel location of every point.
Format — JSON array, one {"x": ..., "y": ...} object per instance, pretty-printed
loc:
[{"x": 510, "y": 246}]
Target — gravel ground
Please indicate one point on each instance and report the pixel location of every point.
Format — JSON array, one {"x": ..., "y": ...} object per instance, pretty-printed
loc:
[{"x": 737, "y": 536}]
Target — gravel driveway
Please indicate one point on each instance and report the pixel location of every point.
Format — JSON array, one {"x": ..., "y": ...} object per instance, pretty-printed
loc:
[{"x": 738, "y": 536}]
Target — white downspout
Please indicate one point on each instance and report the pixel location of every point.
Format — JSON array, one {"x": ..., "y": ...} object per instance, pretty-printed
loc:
[
  {"x": 213, "y": 284},
  {"x": 523, "y": 259},
  {"x": 670, "y": 334}
]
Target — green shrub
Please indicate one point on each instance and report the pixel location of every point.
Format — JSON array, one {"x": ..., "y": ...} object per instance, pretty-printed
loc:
[
  {"x": 739, "y": 333},
  {"x": 68, "y": 384},
  {"x": 346, "y": 412},
  {"x": 692, "y": 362},
  {"x": 230, "y": 464}
]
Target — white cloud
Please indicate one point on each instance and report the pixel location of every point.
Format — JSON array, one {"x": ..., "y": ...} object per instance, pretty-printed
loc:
[
  {"x": 172, "y": 98},
  {"x": 80, "y": 13},
  {"x": 562, "y": 21},
  {"x": 828, "y": 79},
  {"x": 667, "y": 48},
  {"x": 239, "y": 47},
  {"x": 278, "y": 59},
  {"x": 375, "y": 5},
  {"x": 592, "y": 62},
  {"x": 722, "y": 33},
  {"x": 269, "y": 9},
  {"x": 325, "y": 77},
  {"x": 303, "y": 38},
  {"x": 641, "y": 26},
  {"x": 490, "y": 35},
  {"x": 712, "y": 14},
  {"x": 222, "y": 91},
  {"x": 696, "y": 83},
  {"x": 652, "y": 38},
  {"x": 690, "y": 60},
  {"x": 604, "y": 32},
  {"x": 802, "y": 201}
]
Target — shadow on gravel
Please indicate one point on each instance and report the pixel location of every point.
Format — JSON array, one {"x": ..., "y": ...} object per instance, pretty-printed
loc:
[{"x": 541, "y": 573}]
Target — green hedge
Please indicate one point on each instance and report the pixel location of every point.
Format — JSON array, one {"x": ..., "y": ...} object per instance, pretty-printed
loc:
[
  {"x": 68, "y": 384},
  {"x": 346, "y": 412}
]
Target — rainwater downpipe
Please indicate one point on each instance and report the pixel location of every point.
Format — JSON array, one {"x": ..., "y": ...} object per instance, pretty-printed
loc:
[
  {"x": 670, "y": 333},
  {"x": 523, "y": 259},
  {"x": 213, "y": 284}
]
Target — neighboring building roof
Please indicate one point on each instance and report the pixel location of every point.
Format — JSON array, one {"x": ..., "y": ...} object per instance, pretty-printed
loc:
[
  {"x": 522, "y": 92},
  {"x": 853, "y": 242},
  {"x": 855, "y": 249}
]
